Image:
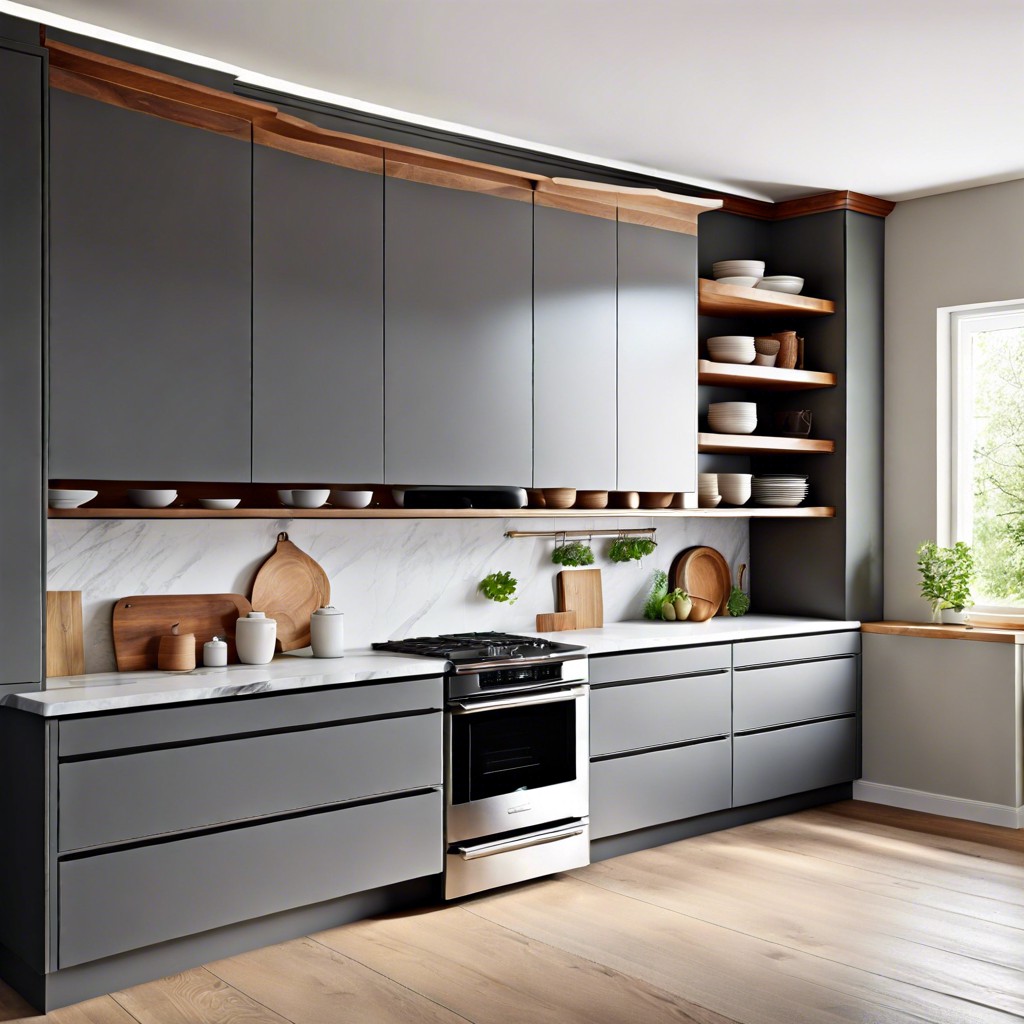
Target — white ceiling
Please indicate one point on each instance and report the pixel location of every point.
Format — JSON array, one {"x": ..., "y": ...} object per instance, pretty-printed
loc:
[{"x": 769, "y": 98}]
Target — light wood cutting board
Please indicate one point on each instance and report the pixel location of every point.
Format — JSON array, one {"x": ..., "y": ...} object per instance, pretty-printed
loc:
[
  {"x": 703, "y": 572},
  {"x": 140, "y": 621},
  {"x": 579, "y": 591},
  {"x": 289, "y": 587},
  {"x": 65, "y": 646}
]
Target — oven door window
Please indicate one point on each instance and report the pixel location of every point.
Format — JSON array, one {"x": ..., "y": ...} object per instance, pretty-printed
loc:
[{"x": 512, "y": 749}]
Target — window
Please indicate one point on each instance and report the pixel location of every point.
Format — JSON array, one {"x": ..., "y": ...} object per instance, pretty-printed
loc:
[{"x": 988, "y": 449}]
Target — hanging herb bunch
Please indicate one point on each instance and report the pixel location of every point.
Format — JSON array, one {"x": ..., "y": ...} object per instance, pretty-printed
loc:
[
  {"x": 500, "y": 587},
  {"x": 573, "y": 553},
  {"x": 631, "y": 549}
]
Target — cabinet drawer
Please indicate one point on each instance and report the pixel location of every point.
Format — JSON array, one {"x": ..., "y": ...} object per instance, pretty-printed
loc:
[
  {"x": 676, "y": 661},
  {"x": 208, "y": 719},
  {"x": 794, "y": 648},
  {"x": 770, "y": 764},
  {"x": 125, "y": 900},
  {"x": 783, "y": 694},
  {"x": 134, "y": 795},
  {"x": 638, "y": 790},
  {"x": 658, "y": 713}
]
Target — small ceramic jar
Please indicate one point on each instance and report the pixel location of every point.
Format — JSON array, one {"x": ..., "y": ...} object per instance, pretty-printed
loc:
[
  {"x": 215, "y": 653},
  {"x": 255, "y": 636},
  {"x": 327, "y": 632}
]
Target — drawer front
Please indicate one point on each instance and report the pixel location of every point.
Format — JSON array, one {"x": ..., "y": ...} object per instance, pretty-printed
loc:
[
  {"x": 659, "y": 713},
  {"x": 638, "y": 790},
  {"x": 210, "y": 719},
  {"x": 112, "y": 799},
  {"x": 128, "y": 899},
  {"x": 676, "y": 661},
  {"x": 783, "y": 694},
  {"x": 783, "y": 761},
  {"x": 795, "y": 648}
]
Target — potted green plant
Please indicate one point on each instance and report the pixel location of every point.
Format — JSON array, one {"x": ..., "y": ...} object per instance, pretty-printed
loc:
[{"x": 946, "y": 577}]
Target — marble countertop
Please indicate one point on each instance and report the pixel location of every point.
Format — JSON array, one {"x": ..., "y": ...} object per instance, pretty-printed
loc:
[{"x": 110, "y": 691}]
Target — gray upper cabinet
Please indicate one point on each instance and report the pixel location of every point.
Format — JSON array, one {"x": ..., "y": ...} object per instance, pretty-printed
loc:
[
  {"x": 574, "y": 350},
  {"x": 657, "y": 359},
  {"x": 150, "y": 338},
  {"x": 318, "y": 321},
  {"x": 21, "y": 365},
  {"x": 458, "y": 374}
]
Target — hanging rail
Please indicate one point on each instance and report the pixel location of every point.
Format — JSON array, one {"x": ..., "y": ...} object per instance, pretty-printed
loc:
[{"x": 628, "y": 532}]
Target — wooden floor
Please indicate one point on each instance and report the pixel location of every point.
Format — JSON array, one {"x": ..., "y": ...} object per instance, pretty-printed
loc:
[{"x": 853, "y": 913}]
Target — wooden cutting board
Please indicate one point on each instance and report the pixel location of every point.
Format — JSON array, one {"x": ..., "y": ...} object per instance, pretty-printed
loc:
[
  {"x": 555, "y": 622},
  {"x": 140, "y": 621},
  {"x": 703, "y": 572},
  {"x": 289, "y": 587},
  {"x": 579, "y": 591},
  {"x": 65, "y": 646}
]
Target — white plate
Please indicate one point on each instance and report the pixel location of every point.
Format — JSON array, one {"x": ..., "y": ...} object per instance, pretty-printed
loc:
[{"x": 61, "y": 498}]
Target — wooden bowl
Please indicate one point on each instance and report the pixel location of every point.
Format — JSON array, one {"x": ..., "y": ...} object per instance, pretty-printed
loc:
[
  {"x": 559, "y": 497},
  {"x": 535, "y": 499},
  {"x": 702, "y": 609},
  {"x": 656, "y": 499},
  {"x": 591, "y": 499},
  {"x": 626, "y": 499}
]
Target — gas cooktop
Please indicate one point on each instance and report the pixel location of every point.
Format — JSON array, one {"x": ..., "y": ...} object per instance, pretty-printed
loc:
[{"x": 480, "y": 647}]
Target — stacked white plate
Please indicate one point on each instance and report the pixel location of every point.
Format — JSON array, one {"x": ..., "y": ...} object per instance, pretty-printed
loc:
[
  {"x": 707, "y": 490},
  {"x": 732, "y": 348},
  {"x": 732, "y": 417},
  {"x": 781, "y": 283},
  {"x": 779, "y": 490},
  {"x": 738, "y": 268}
]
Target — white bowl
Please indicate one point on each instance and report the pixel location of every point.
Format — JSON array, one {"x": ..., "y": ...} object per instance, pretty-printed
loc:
[
  {"x": 739, "y": 282},
  {"x": 351, "y": 499},
  {"x": 738, "y": 268},
  {"x": 306, "y": 497},
  {"x": 782, "y": 283},
  {"x": 59, "y": 498},
  {"x": 732, "y": 349},
  {"x": 708, "y": 500},
  {"x": 146, "y": 497},
  {"x": 734, "y": 408},
  {"x": 734, "y": 487},
  {"x": 221, "y": 504}
]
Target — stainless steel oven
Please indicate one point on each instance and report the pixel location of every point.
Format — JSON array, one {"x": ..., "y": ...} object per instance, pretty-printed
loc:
[{"x": 516, "y": 759}]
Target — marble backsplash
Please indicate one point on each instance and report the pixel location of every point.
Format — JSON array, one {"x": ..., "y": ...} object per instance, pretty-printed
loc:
[{"x": 391, "y": 578}]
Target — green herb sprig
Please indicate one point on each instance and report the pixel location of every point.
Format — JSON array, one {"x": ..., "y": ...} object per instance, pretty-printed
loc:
[
  {"x": 658, "y": 594},
  {"x": 574, "y": 553},
  {"x": 500, "y": 587},
  {"x": 631, "y": 549}
]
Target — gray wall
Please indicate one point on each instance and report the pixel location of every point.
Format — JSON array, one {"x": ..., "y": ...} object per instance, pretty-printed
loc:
[{"x": 953, "y": 249}]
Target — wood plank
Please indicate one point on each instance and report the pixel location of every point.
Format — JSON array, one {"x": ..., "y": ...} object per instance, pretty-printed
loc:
[
  {"x": 193, "y": 997},
  {"x": 574, "y": 205},
  {"x": 649, "y": 219},
  {"x": 102, "y": 1010},
  {"x": 447, "y": 173},
  {"x": 856, "y": 202},
  {"x": 293, "y": 140},
  {"x": 308, "y": 983},
  {"x": 491, "y": 975},
  {"x": 942, "y": 631},
  {"x": 65, "y": 642},
  {"x": 760, "y": 444},
  {"x": 764, "y": 378},
  {"x": 716, "y": 299}
]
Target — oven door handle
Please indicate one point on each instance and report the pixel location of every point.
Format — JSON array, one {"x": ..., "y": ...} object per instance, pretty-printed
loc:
[
  {"x": 555, "y": 697},
  {"x": 519, "y": 843}
]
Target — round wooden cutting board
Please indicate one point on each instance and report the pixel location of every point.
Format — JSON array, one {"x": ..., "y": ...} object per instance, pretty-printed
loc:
[
  {"x": 703, "y": 572},
  {"x": 289, "y": 587}
]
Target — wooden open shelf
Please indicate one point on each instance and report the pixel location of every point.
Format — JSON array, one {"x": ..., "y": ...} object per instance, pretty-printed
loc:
[
  {"x": 440, "y": 513},
  {"x": 731, "y": 300},
  {"x": 764, "y": 378},
  {"x": 758, "y": 444}
]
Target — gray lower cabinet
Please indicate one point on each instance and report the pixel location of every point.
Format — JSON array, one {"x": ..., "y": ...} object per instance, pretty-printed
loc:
[
  {"x": 574, "y": 349},
  {"x": 150, "y": 294},
  {"x": 657, "y": 322},
  {"x": 113, "y": 902},
  {"x": 793, "y": 760},
  {"x": 458, "y": 363},
  {"x": 640, "y": 790},
  {"x": 784, "y": 694},
  {"x": 317, "y": 321},
  {"x": 22, "y": 79}
]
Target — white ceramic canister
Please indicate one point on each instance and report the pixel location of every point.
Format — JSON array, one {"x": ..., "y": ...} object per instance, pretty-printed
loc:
[
  {"x": 215, "y": 653},
  {"x": 327, "y": 632},
  {"x": 255, "y": 636}
]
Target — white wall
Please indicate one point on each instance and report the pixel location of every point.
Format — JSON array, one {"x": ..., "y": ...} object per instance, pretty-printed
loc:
[
  {"x": 953, "y": 249},
  {"x": 391, "y": 578}
]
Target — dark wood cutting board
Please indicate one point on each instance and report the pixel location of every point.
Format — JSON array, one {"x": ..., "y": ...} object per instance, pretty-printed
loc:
[{"x": 140, "y": 621}]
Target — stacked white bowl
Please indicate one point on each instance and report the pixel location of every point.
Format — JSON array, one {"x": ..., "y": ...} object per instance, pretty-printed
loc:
[
  {"x": 732, "y": 348},
  {"x": 734, "y": 488},
  {"x": 741, "y": 272},
  {"x": 707, "y": 490},
  {"x": 732, "y": 417},
  {"x": 782, "y": 283},
  {"x": 779, "y": 490}
]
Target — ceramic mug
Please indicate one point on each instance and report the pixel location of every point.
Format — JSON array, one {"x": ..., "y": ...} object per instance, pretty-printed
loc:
[{"x": 794, "y": 421}]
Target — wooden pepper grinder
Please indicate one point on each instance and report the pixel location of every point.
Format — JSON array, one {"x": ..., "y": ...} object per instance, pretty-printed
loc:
[{"x": 177, "y": 652}]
